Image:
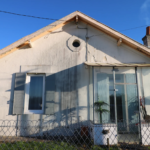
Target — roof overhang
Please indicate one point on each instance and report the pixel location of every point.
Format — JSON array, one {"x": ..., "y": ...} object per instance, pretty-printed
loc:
[
  {"x": 99, "y": 64},
  {"x": 75, "y": 16},
  {"x": 115, "y": 34}
]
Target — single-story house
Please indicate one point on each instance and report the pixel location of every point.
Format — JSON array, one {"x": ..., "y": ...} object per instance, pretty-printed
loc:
[{"x": 60, "y": 71}]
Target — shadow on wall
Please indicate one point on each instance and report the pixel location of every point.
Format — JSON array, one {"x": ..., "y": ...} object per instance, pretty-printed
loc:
[
  {"x": 72, "y": 85},
  {"x": 107, "y": 46},
  {"x": 68, "y": 84},
  {"x": 11, "y": 95}
]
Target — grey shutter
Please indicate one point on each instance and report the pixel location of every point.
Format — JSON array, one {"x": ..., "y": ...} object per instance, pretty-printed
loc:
[
  {"x": 49, "y": 93},
  {"x": 19, "y": 93}
]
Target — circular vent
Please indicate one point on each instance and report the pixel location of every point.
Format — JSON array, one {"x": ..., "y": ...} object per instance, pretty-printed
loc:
[{"x": 76, "y": 43}]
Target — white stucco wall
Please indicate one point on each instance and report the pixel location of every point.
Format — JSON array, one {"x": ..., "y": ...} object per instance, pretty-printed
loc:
[{"x": 51, "y": 54}]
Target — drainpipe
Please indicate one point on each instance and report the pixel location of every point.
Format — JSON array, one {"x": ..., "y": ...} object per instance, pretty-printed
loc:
[
  {"x": 93, "y": 92},
  {"x": 87, "y": 38}
]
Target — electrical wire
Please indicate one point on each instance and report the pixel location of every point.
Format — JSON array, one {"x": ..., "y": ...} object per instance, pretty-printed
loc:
[
  {"x": 133, "y": 28},
  {"x": 29, "y": 16},
  {"x": 57, "y": 19}
]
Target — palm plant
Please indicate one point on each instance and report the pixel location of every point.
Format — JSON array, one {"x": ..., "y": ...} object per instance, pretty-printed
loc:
[{"x": 99, "y": 104}]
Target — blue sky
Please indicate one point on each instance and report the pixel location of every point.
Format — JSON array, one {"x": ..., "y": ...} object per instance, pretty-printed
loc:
[{"x": 117, "y": 14}]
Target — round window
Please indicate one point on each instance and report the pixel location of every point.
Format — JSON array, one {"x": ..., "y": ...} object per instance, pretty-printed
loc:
[{"x": 76, "y": 43}]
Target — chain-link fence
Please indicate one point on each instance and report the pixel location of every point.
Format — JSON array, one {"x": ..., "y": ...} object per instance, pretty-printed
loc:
[{"x": 62, "y": 135}]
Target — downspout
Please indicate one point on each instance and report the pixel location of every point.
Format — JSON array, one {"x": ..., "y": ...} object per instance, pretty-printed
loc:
[
  {"x": 93, "y": 93},
  {"x": 87, "y": 38}
]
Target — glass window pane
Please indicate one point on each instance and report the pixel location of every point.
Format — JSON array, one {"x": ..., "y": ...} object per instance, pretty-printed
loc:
[
  {"x": 125, "y": 75},
  {"x": 132, "y": 99},
  {"x": 35, "y": 93},
  {"x": 130, "y": 78},
  {"x": 144, "y": 79},
  {"x": 104, "y": 92},
  {"x": 112, "y": 104},
  {"x": 119, "y": 78},
  {"x": 125, "y": 78},
  {"x": 120, "y": 100}
]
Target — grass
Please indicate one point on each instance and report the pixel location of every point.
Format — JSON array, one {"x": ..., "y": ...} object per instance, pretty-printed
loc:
[
  {"x": 48, "y": 146},
  {"x": 37, "y": 146}
]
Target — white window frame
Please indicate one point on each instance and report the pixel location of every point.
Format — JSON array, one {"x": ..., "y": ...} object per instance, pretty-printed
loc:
[{"x": 27, "y": 90}]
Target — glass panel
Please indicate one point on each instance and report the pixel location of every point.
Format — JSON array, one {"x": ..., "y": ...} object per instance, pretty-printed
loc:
[
  {"x": 104, "y": 92},
  {"x": 121, "y": 107},
  {"x": 146, "y": 87},
  {"x": 127, "y": 108},
  {"x": 35, "y": 93},
  {"x": 119, "y": 78},
  {"x": 126, "y": 98},
  {"x": 125, "y": 75},
  {"x": 120, "y": 100},
  {"x": 131, "y": 78},
  {"x": 103, "y": 95},
  {"x": 111, "y": 101},
  {"x": 132, "y": 103},
  {"x": 144, "y": 90},
  {"x": 125, "y": 78}
]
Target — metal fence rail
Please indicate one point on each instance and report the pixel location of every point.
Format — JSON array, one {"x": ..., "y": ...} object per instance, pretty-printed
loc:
[{"x": 45, "y": 135}]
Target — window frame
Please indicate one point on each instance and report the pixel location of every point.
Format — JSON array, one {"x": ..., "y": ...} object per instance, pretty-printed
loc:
[{"x": 27, "y": 90}]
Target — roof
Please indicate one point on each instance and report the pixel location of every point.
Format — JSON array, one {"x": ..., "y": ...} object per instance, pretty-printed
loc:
[{"x": 27, "y": 40}]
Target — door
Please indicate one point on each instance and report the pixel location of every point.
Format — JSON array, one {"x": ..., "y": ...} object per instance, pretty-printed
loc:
[
  {"x": 126, "y": 99},
  {"x": 122, "y": 87}
]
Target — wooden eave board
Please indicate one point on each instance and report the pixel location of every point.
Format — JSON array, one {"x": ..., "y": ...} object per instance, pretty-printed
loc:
[
  {"x": 115, "y": 34},
  {"x": 99, "y": 64},
  {"x": 52, "y": 27},
  {"x": 34, "y": 38}
]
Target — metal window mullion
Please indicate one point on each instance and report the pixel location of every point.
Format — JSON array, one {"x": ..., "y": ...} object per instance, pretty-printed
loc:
[
  {"x": 115, "y": 95},
  {"x": 139, "y": 105},
  {"x": 126, "y": 83}
]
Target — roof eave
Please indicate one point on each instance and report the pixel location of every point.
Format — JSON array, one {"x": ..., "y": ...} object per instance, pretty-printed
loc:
[{"x": 115, "y": 34}]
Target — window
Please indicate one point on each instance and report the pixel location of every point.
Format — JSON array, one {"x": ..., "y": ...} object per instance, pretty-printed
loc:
[{"x": 34, "y": 94}]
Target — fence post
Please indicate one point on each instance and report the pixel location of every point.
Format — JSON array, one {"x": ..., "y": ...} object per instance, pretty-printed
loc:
[
  {"x": 140, "y": 140},
  {"x": 108, "y": 144}
]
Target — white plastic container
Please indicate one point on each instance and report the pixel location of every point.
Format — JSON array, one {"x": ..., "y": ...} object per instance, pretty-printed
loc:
[
  {"x": 102, "y": 132},
  {"x": 145, "y": 133}
]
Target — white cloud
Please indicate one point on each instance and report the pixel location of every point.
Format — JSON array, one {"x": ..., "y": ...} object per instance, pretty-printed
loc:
[{"x": 145, "y": 11}]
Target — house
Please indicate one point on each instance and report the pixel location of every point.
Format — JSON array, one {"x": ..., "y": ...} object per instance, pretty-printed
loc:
[{"x": 58, "y": 72}]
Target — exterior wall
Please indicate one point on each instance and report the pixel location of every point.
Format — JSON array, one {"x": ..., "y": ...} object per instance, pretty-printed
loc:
[
  {"x": 103, "y": 48},
  {"x": 51, "y": 54},
  {"x": 144, "y": 88}
]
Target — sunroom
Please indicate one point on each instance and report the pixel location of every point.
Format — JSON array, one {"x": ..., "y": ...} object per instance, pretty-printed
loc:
[{"x": 124, "y": 90}]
